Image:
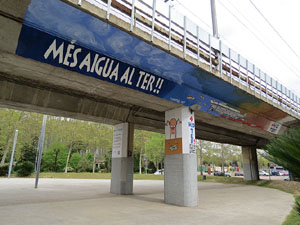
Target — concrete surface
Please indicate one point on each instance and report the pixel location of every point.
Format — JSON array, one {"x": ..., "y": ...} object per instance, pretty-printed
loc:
[
  {"x": 250, "y": 163},
  {"x": 122, "y": 176},
  {"x": 62, "y": 202},
  {"x": 180, "y": 184}
]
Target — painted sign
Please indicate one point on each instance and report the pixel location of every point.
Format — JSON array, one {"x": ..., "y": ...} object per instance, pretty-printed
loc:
[
  {"x": 179, "y": 131},
  {"x": 120, "y": 141},
  {"x": 58, "y": 34},
  {"x": 192, "y": 136}
]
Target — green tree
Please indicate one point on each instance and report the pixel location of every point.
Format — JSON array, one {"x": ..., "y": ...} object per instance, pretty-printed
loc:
[
  {"x": 28, "y": 151},
  {"x": 85, "y": 165},
  {"x": 54, "y": 158},
  {"x": 284, "y": 150},
  {"x": 156, "y": 149},
  {"x": 74, "y": 161},
  {"x": 9, "y": 123}
]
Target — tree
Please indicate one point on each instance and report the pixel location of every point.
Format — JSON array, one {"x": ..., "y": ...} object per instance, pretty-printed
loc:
[
  {"x": 28, "y": 151},
  {"x": 54, "y": 158},
  {"x": 141, "y": 138},
  {"x": 74, "y": 161},
  {"x": 155, "y": 149},
  {"x": 284, "y": 150},
  {"x": 14, "y": 118}
]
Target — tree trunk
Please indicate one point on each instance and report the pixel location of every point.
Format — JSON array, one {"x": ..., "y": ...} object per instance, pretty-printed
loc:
[
  {"x": 94, "y": 162},
  {"x": 55, "y": 161},
  {"x": 222, "y": 148},
  {"x": 140, "y": 162},
  {"x": 9, "y": 139},
  {"x": 68, "y": 158},
  {"x": 8, "y": 144}
]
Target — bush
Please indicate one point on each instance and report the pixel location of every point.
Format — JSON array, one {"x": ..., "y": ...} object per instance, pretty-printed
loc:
[
  {"x": 25, "y": 169},
  {"x": 85, "y": 165},
  {"x": 298, "y": 206},
  {"x": 4, "y": 169},
  {"x": 284, "y": 150}
]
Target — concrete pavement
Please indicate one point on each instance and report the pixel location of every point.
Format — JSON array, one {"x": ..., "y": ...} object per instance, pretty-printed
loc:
[{"x": 68, "y": 201}]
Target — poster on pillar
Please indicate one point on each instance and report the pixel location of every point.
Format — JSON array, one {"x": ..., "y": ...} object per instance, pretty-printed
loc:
[
  {"x": 179, "y": 131},
  {"x": 120, "y": 141}
]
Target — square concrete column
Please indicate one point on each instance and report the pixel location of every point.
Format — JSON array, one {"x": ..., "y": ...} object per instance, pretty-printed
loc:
[
  {"x": 180, "y": 187},
  {"x": 250, "y": 163},
  {"x": 122, "y": 160}
]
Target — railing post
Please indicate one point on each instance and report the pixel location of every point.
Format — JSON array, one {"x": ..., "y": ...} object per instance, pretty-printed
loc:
[
  {"x": 259, "y": 74},
  {"x": 239, "y": 61},
  {"x": 198, "y": 48},
  {"x": 108, "y": 9},
  {"x": 254, "y": 79},
  {"x": 210, "y": 60},
  {"x": 247, "y": 71},
  {"x": 184, "y": 37},
  {"x": 132, "y": 15},
  {"x": 230, "y": 66},
  {"x": 220, "y": 59},
  {"x": 170, "y": 26},
  {"x": 153, "y": 18},
  {"x": 272, "y": 91}
]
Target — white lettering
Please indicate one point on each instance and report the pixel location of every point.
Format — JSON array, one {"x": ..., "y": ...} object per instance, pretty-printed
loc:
[
  {"x": 55, "y": 52},
  {"x": 145, "y": 81},
  {"x": 86, "y": 62},
  {"x": 68, "y": 54},
  {"x": 99, "y": 69},
  {"x": 74, "y": 63},
  {"x": 142, "y": 73},
  {"x": 125, "y": 76},
  {"x": 106, "y": 71}
]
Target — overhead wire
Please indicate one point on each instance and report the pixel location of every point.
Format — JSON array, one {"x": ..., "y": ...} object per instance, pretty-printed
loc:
[
  {"x": 274, "y": 29},
  {"x": 293, "y": 70}
]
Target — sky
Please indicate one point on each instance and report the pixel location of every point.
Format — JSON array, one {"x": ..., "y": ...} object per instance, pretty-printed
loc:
[{"x": 244, "y": 29}]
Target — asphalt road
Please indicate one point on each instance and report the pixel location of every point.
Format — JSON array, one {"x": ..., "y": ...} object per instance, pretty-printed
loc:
[{"x": 88, "y": 202}]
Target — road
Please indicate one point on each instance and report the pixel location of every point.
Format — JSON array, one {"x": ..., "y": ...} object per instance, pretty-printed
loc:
[{"x": 70, "y": 201}]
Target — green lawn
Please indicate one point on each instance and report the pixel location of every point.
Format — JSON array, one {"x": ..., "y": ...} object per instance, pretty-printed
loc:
[{"x": 94, "y": 176}]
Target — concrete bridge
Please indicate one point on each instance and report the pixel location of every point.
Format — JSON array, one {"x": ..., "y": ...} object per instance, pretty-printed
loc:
[{"x": 132, "y": 66}]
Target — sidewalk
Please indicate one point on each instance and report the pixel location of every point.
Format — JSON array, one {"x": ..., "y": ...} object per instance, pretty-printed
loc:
[{"x": 88, "y": 202}]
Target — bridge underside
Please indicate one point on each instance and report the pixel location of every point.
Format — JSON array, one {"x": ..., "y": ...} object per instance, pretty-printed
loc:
[{"x": 33, "y": 86}]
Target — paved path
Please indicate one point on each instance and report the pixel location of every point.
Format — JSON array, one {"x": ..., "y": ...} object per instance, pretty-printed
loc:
[{"x": 88, "y": 202}]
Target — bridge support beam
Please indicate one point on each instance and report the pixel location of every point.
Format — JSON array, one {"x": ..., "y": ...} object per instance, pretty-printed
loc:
[
  {"x": 180, "y": 186},
  {"x": 122, "y": 159},
  {"x": 250, "y": 163}
]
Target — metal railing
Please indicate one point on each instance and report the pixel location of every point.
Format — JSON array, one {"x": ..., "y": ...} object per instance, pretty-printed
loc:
[{"x": 182, "y": 34}]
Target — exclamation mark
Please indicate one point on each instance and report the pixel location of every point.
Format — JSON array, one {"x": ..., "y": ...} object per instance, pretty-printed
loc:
[
  {"x": 161, "y": 82},
  {"x": 156, "y": 86}
]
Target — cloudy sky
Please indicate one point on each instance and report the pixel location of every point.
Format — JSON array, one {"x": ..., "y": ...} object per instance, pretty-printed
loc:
[{"x": 245, "y": 30}]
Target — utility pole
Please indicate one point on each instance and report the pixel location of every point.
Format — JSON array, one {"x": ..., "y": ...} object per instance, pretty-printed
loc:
[
  {"x": 41, "y": 145},
  {"x": 214, "y": 18},
  {"x": 12, "y": 153}
]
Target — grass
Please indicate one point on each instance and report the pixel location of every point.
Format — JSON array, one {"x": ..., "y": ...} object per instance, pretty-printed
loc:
[
  {"x": 294, "y": 217},
  {"x": 72, "y": 175}
]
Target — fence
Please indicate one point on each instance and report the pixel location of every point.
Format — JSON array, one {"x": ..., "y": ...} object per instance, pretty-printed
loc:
[{"x": 179, "y": 32}]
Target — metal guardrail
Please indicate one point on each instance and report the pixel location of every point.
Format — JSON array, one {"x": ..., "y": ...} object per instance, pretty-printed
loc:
[{"x": 179, "y": 32}]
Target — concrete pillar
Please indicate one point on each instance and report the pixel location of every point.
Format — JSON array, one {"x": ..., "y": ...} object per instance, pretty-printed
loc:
[
  {"x": 180, "y": 187},
  {"x": 250, "y": 163},
  {"x": 122, "y": 160}
]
